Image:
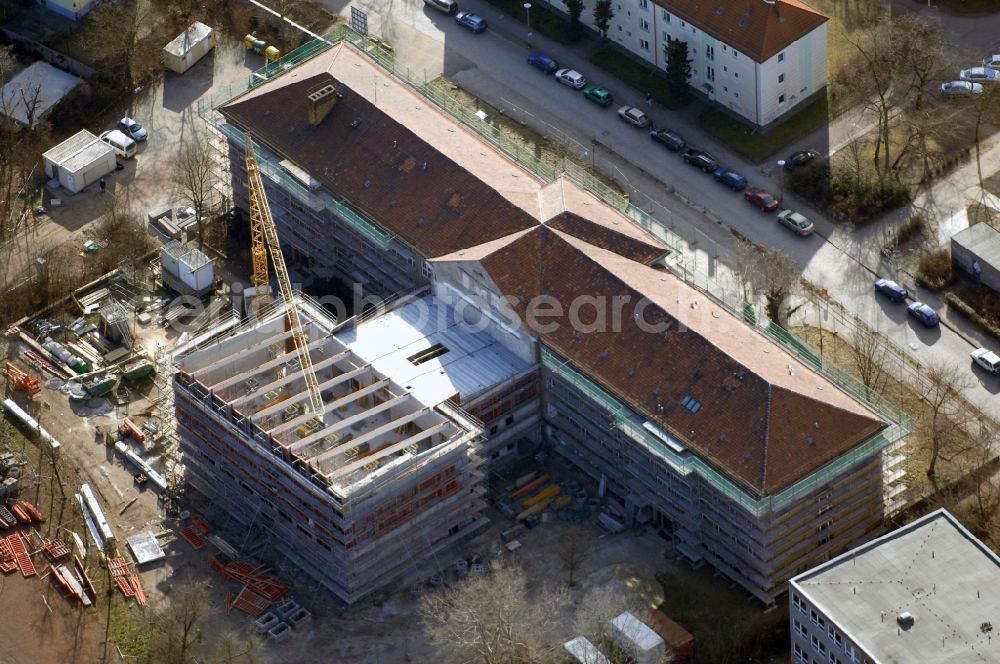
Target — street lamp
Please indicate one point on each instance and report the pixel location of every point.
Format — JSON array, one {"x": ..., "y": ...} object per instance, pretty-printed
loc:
[
  {"x": 527, "y": 13},
  {"x": 781, "y": 181}
]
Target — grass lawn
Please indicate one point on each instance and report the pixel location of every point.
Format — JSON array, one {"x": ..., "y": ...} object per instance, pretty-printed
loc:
[
  {"x": 640, "y": 77},
  {"x": 759, "y": 146},
  {"x": 552, "y": 25}
]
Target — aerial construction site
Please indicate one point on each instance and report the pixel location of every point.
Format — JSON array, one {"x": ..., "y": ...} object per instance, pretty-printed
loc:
[{"x": 529, "y": 348}]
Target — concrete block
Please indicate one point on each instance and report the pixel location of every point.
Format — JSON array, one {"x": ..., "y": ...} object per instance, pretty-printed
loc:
[
  {"x": 266, "y": 622},
  {"x": 279, "y": 632},
  {"x": 299, "y": 618},
  {"x": 287, "y": 608}
]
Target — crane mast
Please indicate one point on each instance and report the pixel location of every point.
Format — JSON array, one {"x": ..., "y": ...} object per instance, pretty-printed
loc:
[{"x": 262, "y": 227}]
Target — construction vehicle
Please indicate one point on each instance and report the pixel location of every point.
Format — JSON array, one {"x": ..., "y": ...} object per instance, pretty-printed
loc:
[
  {"x": 23, "y": 380},
  {"x": 262, "y": 228}
]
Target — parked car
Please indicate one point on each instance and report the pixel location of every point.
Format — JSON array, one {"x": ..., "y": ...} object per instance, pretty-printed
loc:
[
  {"x": 700, "y": 159},
  {"x": 132, "y": 129},
  {"x": 891, "y": 290},
  {"x": 671, "y": 139},
  {"x": 992, "y": 61},
  {"x": 446, "y": 6},
  {"x": 633, "y": 116},
  {"x": 732, "y": 179},
  {"x": 800, "y": 158},
  {"x": 923, "y": 313},
  {"x": 543, "y": 61},
  {"x": 980, "y": 75},
  {"x": 987, "y": 359},
  {"x": 760, "y": 198},
  {"x": 598, "y": 94},
  {"x": 961, "y": 89},
  {"x": 571, "y": 77},
  {"x": 471, "y": 21},
  {"x": 797, "y": 222}
]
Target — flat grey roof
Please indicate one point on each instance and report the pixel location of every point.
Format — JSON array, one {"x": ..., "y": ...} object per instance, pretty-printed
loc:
[
  {"x": 77, "y": 151},
  {"x": 983, "y": 240},
  {"x": 50, "y": 83},
  {"x": 472, "y": 363},
  {"x": 932, "y": 568}
]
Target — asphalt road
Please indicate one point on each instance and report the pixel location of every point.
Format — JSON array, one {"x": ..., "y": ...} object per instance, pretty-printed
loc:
[{"x": 492, "y": 66}]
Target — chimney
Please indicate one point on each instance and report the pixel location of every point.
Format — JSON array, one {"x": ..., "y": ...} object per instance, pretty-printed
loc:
[{"x": 321, "y": 100}]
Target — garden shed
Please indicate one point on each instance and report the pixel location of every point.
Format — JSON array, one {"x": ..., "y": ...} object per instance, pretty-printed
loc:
[
  {"x": 80, "y": 160},
  {"x": 189, "y": 47},
  {"x": 976, "y": 251}
]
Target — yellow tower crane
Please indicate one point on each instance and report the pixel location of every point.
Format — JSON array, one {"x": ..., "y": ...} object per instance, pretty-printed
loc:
[{"x": 262, "y": 228}]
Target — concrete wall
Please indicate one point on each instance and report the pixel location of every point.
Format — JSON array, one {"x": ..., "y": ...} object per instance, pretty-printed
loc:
[{"x": 966, "y": 259}]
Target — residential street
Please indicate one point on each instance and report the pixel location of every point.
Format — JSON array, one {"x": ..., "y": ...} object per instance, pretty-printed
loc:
[{"x": 492, "y": 66}]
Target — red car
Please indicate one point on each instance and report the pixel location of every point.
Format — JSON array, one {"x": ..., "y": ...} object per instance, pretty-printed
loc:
[{"x": 760, "y": 198}]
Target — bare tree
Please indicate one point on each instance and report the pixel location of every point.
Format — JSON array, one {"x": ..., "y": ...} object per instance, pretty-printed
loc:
[
  {"x": 573, "y": 549},
  {"x": 233, "y": 649},
  {"x": 176, "y": 628},
  {"x": 868, "y": 350},
  {"x": 494, "y": 619},
  {"x": 194, "y": 178},
  {"x": 946, "y": 413},
  {"x": 772, "y": 275}
]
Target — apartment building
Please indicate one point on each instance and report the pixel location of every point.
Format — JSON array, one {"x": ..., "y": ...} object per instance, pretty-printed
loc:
[
  {"x": 760, "y": 59},
  {"x": 922, "y": 593},
  {"x": 694, "y": 420}
]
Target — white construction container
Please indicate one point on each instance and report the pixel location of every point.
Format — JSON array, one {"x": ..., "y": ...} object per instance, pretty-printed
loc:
[
  {"x": 585, "y": 652},
  {"x": 186, "y": 270},
  {"x": 189, "y": 47},
  {"x": 635, "y": 637},
  {"x": 80, "y": 160}
]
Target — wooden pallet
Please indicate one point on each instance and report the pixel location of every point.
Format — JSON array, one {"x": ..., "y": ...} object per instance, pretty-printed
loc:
[
  {"x": 251, "y": 603},
  {"x": 55, "y": 549},
  {"x": 21, "y": 555},
  {"x": 193, "y": 538}
]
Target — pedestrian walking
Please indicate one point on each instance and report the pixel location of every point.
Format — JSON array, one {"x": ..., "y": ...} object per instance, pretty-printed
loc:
[
  {"x": 649, "y": 99},
  {"x": 104, "y": 185}
]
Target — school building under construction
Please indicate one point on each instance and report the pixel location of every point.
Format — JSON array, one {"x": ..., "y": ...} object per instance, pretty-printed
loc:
[{"x": 697, "y": 420}]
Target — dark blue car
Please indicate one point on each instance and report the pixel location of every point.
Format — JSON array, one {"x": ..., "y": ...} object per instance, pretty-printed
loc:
[
  {"x": 730, "y": 178},
  {"x": 471, "y": 21},
  {"x": 923, "y": 313},
  {"x": 543, "y": 61},
  {"x": 891, "y": 290}
]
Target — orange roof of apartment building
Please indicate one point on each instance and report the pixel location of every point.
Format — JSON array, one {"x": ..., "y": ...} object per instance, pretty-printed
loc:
[
  {"x": 757, "y": 28},
  {"x": 763, "y": 418}
]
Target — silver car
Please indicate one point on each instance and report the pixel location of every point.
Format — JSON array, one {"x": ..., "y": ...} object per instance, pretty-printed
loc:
[
  {"x": 633, "y": 116},
  {"x": 571, "y": 77},
  {"x": 983, "y": 74},
  {"x": 992, "y": 61},
  {"x": 961, "y": 89},
  {"x": 797, "y": 222}
]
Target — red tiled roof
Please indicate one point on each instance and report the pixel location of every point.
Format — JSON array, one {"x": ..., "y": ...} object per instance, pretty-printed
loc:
[
  {"x": 757, "y": 432},
  {"x": 381, "y": 168},
  {"x": 607, "y": 238},
  {"x": 757, "y": 28}
]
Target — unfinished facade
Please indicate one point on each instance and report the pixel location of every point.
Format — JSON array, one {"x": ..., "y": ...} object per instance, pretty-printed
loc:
[
  {"x": 696, "y": 421},
  {"x": 387, "y": 476}
]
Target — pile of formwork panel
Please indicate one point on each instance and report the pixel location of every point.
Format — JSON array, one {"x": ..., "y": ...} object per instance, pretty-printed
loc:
[
  {"x": 127, "y": 581},
  {"x": 260, "y": 590},
  {"x": 18, "y": 547}
]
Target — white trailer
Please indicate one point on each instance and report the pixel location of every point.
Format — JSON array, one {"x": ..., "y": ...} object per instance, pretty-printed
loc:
[
  {"x": 79, "y": 161},
  {"x": 189, "y": 47},
  {"x": 636, "y": 638}
]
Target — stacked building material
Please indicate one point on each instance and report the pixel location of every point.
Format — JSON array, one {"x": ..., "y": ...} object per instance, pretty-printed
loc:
[
  {"x": 55, "y": 549},
  {"x": 7, "y": 561},
  {"x": 21, "y": 555},
  {"x": 128, "y": 582}
]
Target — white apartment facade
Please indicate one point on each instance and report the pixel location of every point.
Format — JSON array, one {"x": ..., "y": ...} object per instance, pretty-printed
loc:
[{"x": 759, "y": 59}]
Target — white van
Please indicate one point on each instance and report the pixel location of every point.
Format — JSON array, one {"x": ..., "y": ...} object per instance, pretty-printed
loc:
[
  {"x": 122, "y": 144},
  {"x": 446, "y": 6}
]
